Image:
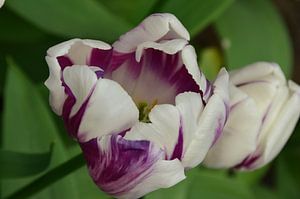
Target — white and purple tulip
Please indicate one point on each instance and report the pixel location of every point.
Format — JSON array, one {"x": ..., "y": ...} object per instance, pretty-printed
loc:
[
  {"x": 140, "y": 109},
  {"x": 264, "y": 109}
]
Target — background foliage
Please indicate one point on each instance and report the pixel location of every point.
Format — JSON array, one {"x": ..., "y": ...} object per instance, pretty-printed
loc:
[{"x": 37, "y": 158}]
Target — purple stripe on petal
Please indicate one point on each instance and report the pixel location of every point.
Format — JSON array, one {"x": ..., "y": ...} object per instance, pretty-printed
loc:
[
  {"x": 64, "y": 61},
  {"x": 248, "y": 162},
  {"x": 99, "y": 73},
  {"x": 100, "y": 58},
  {"x": 221, "y": 123},
  {"x": 72, "y": 123},
  {"x": 118, "y": 165},
  {"x": 178, "y": 149},
  {"x": 251, "y": 82}
]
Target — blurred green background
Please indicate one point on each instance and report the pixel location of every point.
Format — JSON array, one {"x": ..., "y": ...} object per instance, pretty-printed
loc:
[{"x": 34, "y": 144}]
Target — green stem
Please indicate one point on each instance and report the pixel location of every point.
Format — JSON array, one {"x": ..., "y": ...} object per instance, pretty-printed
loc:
[{"x": 50, "y": 177}]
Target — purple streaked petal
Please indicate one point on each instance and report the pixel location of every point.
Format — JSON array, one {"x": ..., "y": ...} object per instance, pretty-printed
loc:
[
  {"x": 118, "y": 165},
  {"x": 248, "y": 163},
  {"x": 79, "y": 83},
  {"x": 129, "y": 169},
  {"x": 64, "y": 61},
  {"x": 178, "y": 149},
  {"x": 100, "y": 58},
  {"x": 157, "y": 77}
]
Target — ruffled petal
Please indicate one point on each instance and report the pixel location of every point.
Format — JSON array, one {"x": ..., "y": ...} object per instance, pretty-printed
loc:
[
  {"x": 129, "y": 169},
  {"x": 189, "y": 59},
  {"x": 54, "y": 84},
  {"x": 154, "y": 28}
]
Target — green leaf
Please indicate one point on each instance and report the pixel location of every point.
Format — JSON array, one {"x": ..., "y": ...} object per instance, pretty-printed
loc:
[
  {"x": 286, "y": 183},
  {"x": 15, "y": 164},
  {"x": 28, "y": 128},
  {"x": 205, "y": 184},
  {"x": 254, "y": 31},
  {"x": 264, "y": 193},
  {"x": 49, "y": 177},
  {"x": 210, "y": 62},
  {"x": 12, "y": 24},
  {"x": 194, "y": 14},
  {"x": 252, "y": 177},
  {"x": 132, "y": 10},
  {"x": 71, "y": 18}
]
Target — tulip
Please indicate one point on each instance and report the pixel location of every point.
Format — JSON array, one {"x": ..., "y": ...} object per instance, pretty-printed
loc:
[
  {"x": 140, "y": 109},
  {"x": 264, "y": 109}
]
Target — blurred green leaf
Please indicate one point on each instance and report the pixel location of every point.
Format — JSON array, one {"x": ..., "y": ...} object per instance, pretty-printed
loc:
[
  {"x": 71, "y": 18},
  {"x": 261, "y": 192},
  {"x": 210, "y": 62},
  {"x": 49, "y": 177},
  {"x": 15, "y": 164},
  {"x": 206, "y": 184},
  {"x": 286, "y": 183},
  {"x": 132, "y": 10},
  {"x": 28, "y": 128},
  {"x": 13, "y": 24},
  {"x": 252, "y": 177},
  {"x": 194, "y": 14},
  {"x": 254, "y": 31}
]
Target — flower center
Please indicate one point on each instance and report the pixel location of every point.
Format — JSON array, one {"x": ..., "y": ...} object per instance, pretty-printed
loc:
[{"x": 144, "y": 110}]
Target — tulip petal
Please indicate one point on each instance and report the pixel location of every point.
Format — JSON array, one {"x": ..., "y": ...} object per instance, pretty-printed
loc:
[
  {"x": 80, "y": 80},
  {"x": 95, "y": 54},
  {"x": 53, "y": 83},
  {"x": 211, "y": 122},
  {"x": 158, "y": 77},
  {"x": 282, "y": 128},
  {"x": 163, "y": 130},
  {"x": 129, "y": 169},
  {"x": 239, "y": 133},
  {"x": 256, "y": 72},
  {"x": 189, "y": 59},
  {"x": 109, "y": 110},
  {"x": 190, "y": 107},
  {"x": 155, "y": 27}
]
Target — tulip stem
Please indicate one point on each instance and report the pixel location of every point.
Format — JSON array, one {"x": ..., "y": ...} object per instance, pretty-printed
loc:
[{"x": 49, "y": 178}]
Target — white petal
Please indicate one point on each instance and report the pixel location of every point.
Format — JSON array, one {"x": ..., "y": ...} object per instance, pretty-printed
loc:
[
  {"x": 110, "y": 110},
  {"x": 211, "y": 122},
  {"x": 255, "y": 72},
  {"x": 282, "y": 128},
  {"x": 61, "y": 49},
  {"x": 163, "y": 129},
  {"x": 190, "y": 107},
  {"x": 165, "y": 174},
  {"x": 78, "y": 50},
  {"x": 153, "y": 28},
  {"x": 81, "y": 80},
  {"x": 53, "y": 83},
  {"x": 239, "y": 137},
  {"x": 169, "y": 47},
  {"x": 189, "y": 59}
]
